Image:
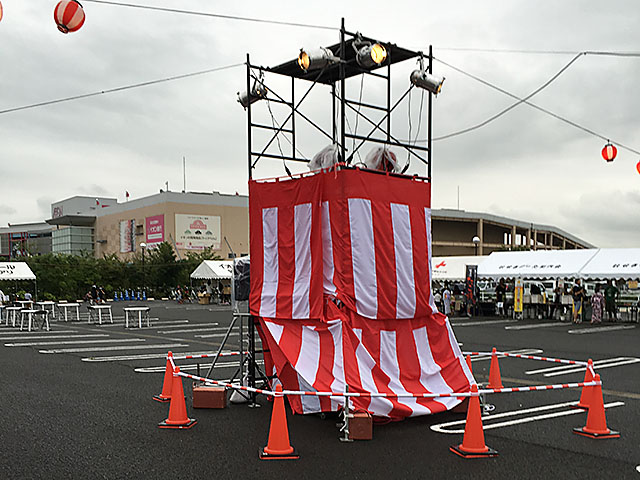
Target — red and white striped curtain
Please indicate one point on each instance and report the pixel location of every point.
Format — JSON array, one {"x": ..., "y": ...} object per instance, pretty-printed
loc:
[{"x": 340, "y": 279}]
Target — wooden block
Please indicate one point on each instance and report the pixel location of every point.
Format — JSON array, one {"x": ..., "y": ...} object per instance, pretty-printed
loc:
[
  {"x": 361, "y": 426},
  {"x": 209, "y": 397}
]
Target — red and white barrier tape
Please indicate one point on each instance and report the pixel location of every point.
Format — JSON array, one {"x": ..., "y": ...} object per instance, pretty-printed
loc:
[
  {"x": 207, "y": 355},
  {"x": 388, "y": 395},
  {"x": 530, "y": 357}
]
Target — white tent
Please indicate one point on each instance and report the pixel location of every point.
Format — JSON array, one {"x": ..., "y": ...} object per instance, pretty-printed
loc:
[
  {"x": 614, "y": 263},
  {"x": 536, "y": 264},
  {"x": 453, "y": 268},
  {"x": 15, "y": 271},
  {"x": 213, "y": 269}
]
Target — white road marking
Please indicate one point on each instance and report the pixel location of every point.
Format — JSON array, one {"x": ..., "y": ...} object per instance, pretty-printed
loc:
[
  {"x": 441, "y": 428},
  {"x": 189, "y": 330},
  {"x": 217, "y": 335},
  {"x": 53, "y": 337},
  {"x": 119, "y": 347},
  {"x": 573, "y": 367},
  {"x": 595, "y": 367},
  {"x": 486, "y": 322},
  {"x": 182, "y": 324},
  {"x": 601, "y": 329},
  {"x": 638, "y": 469},
  {"x": 37, "y": 332},
  {"x": 73, "y": 342},
  {"x": 194, "y": 366},
  {"x": 533, "y": 325},
  {"x": 523, "y": 351}
]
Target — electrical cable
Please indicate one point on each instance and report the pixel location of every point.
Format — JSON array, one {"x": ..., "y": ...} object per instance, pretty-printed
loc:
[
  {"x": 513, "y": 105},
  {"x": 120, "y": 89},
  {"x": 541, "y": 52},
  {"x": 543, "y": 110},
  {"x": 215, "y": 15},
  {"x": 274, "y": 124}
]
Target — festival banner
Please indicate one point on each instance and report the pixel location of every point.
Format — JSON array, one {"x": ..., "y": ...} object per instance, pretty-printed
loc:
[{"x": 197, "y": 232}]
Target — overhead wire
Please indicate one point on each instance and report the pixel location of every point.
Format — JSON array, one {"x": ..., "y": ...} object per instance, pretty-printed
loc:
[
  {"x": 214, "y": 15},
  {"x": 119, "y": 89},
  {"x": 537, "y": 107}
]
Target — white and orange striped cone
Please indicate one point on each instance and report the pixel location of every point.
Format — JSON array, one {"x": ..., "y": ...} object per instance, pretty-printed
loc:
[
  {"x": 596, "y": 426},
  {"x": 177, "y": 408},
  {"x": 278, "y": 446},
  {"x": 165, "y": 396},
  {"x": 473, "y": 445},
  {"x": 585, "y": 396},
  {"x": 495, "y": 380}
]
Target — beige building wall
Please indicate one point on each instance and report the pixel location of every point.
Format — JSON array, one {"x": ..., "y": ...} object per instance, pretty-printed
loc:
[{"x": 234, "y": 225}]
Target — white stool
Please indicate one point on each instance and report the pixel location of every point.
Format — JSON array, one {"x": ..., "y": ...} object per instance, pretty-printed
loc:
[
  {"x": 14, "y": 311},
  {"x": 30, "y": 314}
]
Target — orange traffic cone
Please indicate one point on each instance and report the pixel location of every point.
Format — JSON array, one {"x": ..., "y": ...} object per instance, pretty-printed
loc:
[
  {"x": 472, "y": 445},
  {"x": 596, "y": 426},
  {"x": 177, "y": 408},
  {"x": 278, "y": 446},
  {"x": 495, "y": 381},
  {"x": 585, "y": 397},
  {"x": 165, "y": 396}
]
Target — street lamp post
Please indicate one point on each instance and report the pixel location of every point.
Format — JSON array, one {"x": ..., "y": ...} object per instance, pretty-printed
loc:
[
  {"x": 143, "y": 246},
  {"x": 476, "y": 241}
]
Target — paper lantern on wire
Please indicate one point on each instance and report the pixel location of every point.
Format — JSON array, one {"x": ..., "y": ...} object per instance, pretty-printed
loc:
[
  {"x": 638, "y": 167},
  {"x": 609, "y": 152},
  {"x": 0, "y": 11},
  {"x": 69, "y": 16}
]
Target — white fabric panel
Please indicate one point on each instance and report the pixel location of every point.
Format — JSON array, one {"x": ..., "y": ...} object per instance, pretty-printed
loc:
[
  {"x": 430, "y": 376},
  {"x": 307, "y": 368},
  {"x": 402, "y": 244},
  {"x": 302, "y": 279},
  {"x": 378, "y": 406},
  {"x": 363, "y": 256},
  {"x": 275, "y": 330},
  {"x": 391, "y": 367},
  {"x": 427, "y": 217},
  {"x": 338, "y": 383},
  {"x": 16, "y": 271},
  {"x": 327, "y": 252},
  {"x": 270, "y": 261}
]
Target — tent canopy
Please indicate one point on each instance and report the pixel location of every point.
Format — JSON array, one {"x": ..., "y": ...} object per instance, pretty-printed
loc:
[
  {"x": 453, "y": 268},
  {"x": 614, "y": 263},
  {"x": 213, "y": 269},
  {"x": 15, "y": 271},
  {"x": 536, "y": 264}
]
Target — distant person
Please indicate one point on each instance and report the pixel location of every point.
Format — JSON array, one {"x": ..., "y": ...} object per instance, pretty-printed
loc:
[
  {"x": 28, "y": 297},
  {"x": 597, "y": 306},
  {"x": 557, "y": 300},
  {"x": 501, "y": 292},
  {"x": 94, "y": 293},
  {"x": 577, "y": 292},
  {"x": 446, "y": 300},
  {"x": 102, "y": 295},
  {"x": 611, "y": 293},
  {"x": 535, "y": 289},
  {"x": 209, "y": 288},
  {"x": 438, "y": 299},
  {"x": 2, "y": 300}
]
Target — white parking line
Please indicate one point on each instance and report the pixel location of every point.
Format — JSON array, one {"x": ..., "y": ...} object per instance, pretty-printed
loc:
[
  {"x": 189, "y": 330},
  {"x": 613, "y": 328},
  {"x": 37, "y": 332},
  {"x": 217, "y": 335},
  {"x": 485, "y": 322},
  {"x": 182, "y": 324},
  {"x": 120, "y": 347},
  {"x": 486, "y": 419},
  {"x": 73, "y": 342},
  {"x": 54, "y": 337},
  {"x": 533, "y": 325}
]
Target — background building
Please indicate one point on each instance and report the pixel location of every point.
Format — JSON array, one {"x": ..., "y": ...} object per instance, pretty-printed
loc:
[{"x": 24, "y": 239}]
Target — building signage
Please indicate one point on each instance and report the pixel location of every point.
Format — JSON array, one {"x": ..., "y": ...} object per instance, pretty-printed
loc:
[
  {"x": 127, "y": 236},
  {"x": 57, "y": 212},
  {"x": 197, "y": 232},
  {"x": 154, "y": 229}
]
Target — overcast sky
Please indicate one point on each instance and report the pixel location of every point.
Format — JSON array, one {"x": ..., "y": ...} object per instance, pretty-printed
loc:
[{"x": 524, "y": 165}]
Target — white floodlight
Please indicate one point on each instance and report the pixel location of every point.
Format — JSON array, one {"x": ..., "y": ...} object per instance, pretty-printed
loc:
[
  {"x": 423, "y": 79},
  {"x": 371, "y": 55},
  {"x": 258, "y": 92},
  {"x": 315, "y": 59}
]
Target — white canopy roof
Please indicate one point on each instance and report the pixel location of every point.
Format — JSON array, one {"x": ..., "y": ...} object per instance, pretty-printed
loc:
[
  {"x": 213, "y": 269},
  {"x": 453, "y": 268},
  {"x": 536, "y": 264},
  {"x": 616, "y": 263},
  {"x": 15, "y": 271}
]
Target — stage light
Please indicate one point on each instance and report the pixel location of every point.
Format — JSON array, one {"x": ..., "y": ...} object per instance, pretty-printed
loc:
[
  {"x": 371, "y": 55},
  {"x": 423, "y": 79},
  {"x": 315, "y": 59},
  {"x": 258, "y": 92}
]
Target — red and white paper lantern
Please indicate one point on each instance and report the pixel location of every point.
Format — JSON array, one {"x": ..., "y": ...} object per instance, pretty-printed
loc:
[
  {"x": 638, "y": 167},
  {"x": 69, "y": 16},
  {"x": 609, "y": 152},
  {"x": 0, "y": 10}
]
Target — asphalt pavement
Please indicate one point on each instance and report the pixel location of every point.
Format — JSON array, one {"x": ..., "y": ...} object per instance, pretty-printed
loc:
[{"x": 76, "y": 402}]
